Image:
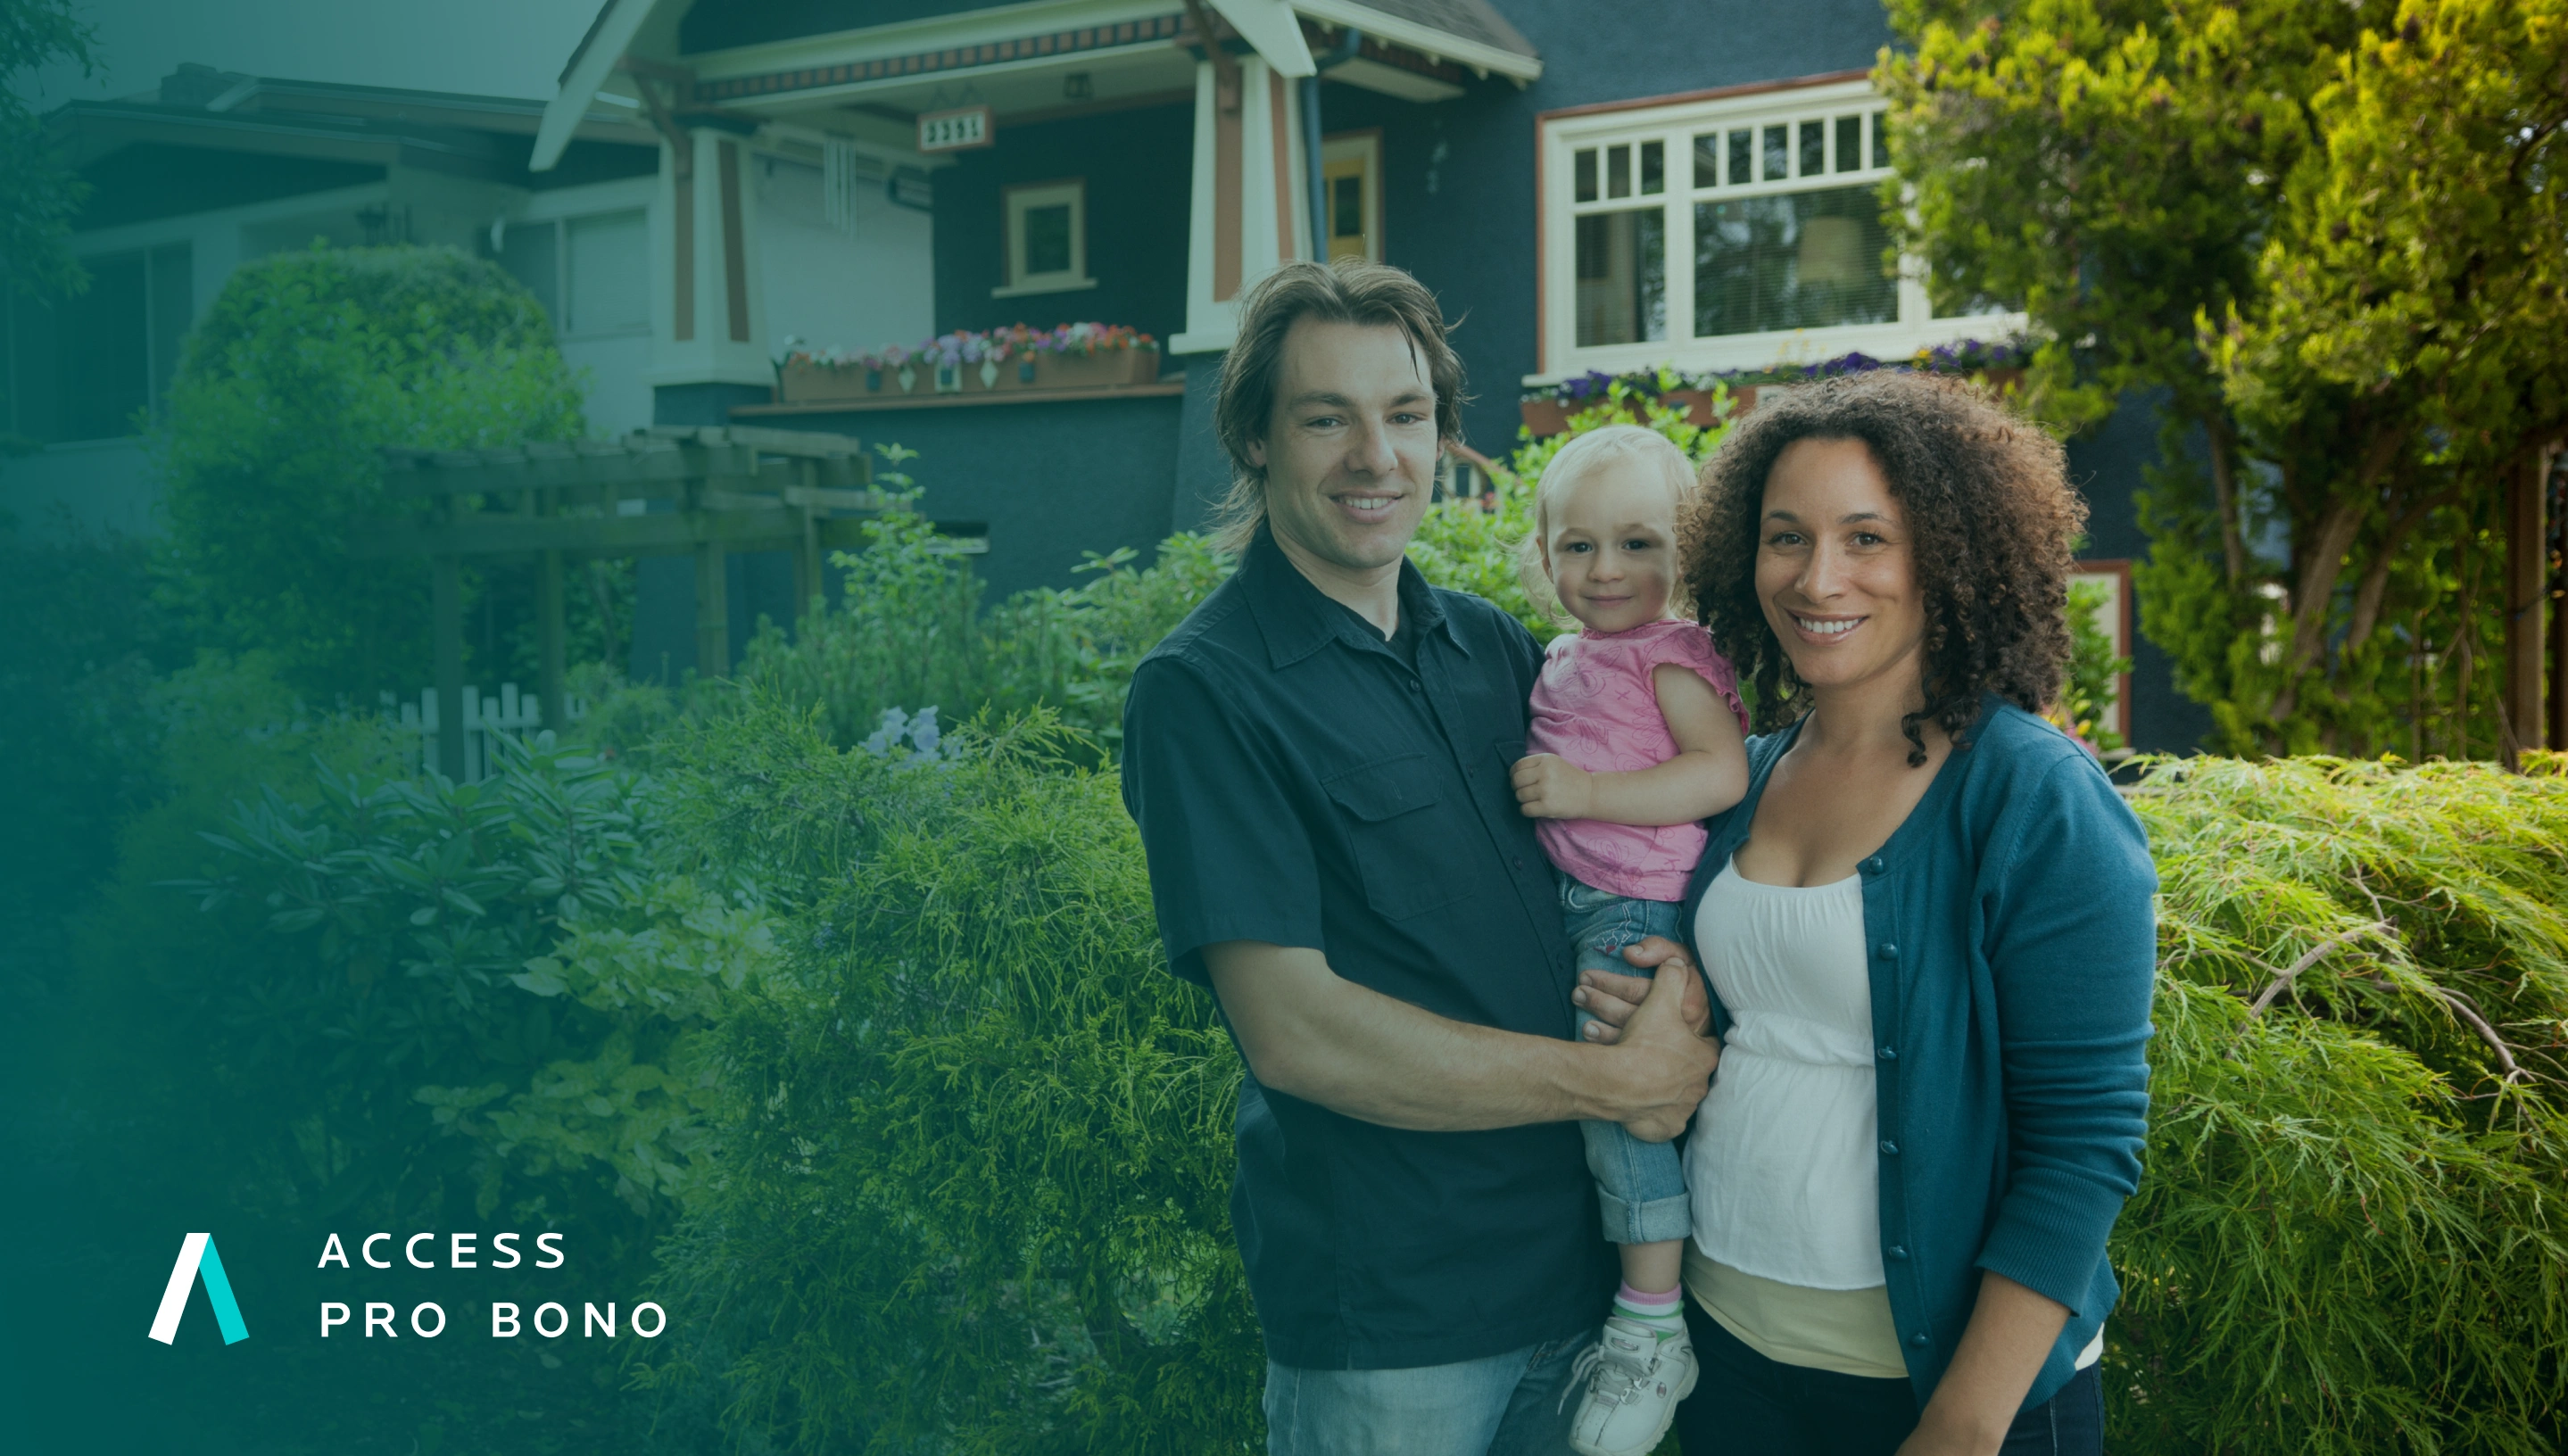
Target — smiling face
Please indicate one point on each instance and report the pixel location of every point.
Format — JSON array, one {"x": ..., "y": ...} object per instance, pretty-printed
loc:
[
  {"x": 1835, "y": 571},
  {"x": 1609, "y": 543},
  {"x": 1350, "y": 450}
]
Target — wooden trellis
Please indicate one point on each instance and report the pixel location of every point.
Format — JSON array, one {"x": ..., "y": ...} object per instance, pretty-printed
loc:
[{"x": 552, "y": 502}]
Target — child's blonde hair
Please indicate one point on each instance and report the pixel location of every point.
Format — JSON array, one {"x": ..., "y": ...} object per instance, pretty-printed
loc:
[{"x": 1582, "y": 456}]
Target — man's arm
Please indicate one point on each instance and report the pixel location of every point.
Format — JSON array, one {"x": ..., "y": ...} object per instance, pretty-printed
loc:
[
  {"x": 1313, "y": 1034},
  {"x": 1708, "y": 775}
]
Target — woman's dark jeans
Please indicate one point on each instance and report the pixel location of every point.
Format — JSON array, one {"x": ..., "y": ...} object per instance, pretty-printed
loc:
[{"x": 1744, "y": 1404}]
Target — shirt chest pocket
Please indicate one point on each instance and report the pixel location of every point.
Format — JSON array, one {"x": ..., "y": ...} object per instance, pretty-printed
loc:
[{"x": 1401, "y": 833}]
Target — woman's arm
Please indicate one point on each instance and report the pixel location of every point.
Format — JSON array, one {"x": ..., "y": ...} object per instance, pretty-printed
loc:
[
  {"x": 2010, "y": 1333},
  {"x": 1708, "y": 775}
]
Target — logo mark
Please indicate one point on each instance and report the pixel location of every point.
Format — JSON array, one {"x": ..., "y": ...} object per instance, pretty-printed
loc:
[{"x": 198, "y": 1257}]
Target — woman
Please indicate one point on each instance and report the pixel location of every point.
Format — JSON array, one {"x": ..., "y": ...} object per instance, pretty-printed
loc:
[{"x": 1927, "y": 929}]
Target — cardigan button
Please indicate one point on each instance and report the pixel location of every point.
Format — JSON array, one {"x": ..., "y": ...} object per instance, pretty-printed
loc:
[
  {"x": 1898, "y": 1251},
  {"x": 1890, "y": 1053},
  {"x": 1887, "y": 951},
  {"x": 1872, "y": 866},
  {"x": 1889, "y": 1149},
  {"x": 1919, "y": 1339}
]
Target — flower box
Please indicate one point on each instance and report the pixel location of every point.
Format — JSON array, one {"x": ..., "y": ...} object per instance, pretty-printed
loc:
[
  {"x": 1094, "y": 371},
  {"x": 1011, "y": 360}
]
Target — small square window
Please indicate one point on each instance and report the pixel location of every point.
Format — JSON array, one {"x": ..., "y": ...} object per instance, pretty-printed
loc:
[
  {"x": 1047, "y": 238},
  {"x": 1618, "y": 171},
  {"x": 1743, "y": 159},
  {"x": 1586, "y": 170},
  {"x": 1707, "y": 160},
  {"x": 1880, "y": 138},
  {"x": 1654, "y": 167},
  {"x": 1849, "y": 143},
  {"x": 1814, "y": 148},
  {"x": 1778, "y": 155}
]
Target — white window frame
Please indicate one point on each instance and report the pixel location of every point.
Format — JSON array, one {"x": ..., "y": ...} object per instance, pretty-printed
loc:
[
  {"x": 555, "y": 210},
  {"x": 1366, "y": 148},
  {"x": 1676, "y": 125},
  {"x": 1024, "y": 197}
]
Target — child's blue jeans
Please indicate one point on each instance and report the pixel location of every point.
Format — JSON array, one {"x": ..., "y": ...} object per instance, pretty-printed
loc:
[{"x": 1640, "y": 1186}]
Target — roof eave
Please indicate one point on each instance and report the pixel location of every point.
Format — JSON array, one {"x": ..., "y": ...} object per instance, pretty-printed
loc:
[{"x": 1477, "y": 55}]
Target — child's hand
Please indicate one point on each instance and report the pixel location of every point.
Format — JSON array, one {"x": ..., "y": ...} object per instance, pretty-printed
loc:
[{"x": 1549, "y": 786}]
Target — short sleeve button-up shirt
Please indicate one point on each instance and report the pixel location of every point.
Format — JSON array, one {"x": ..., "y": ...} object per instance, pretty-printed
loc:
[{"x": 1296, "y": 782}]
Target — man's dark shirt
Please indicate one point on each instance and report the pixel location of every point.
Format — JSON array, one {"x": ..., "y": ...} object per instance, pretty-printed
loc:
[{"x": 1297, "y": 782}]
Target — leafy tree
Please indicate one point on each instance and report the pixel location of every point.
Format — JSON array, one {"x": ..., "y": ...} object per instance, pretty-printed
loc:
[
  {"x": 39, "y": 191},
  {"x": 2324, "y": 241},
  {"x": 305, "y": 367}
]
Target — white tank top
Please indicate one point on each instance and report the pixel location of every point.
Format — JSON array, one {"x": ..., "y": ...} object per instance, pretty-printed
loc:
[{"x": 1780, "y": 1163}]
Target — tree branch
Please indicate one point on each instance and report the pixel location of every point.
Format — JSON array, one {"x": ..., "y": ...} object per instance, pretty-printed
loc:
[{"x": 2319, "y": 951}]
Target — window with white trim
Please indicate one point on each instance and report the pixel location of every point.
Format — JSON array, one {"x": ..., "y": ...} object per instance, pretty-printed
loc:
[
  {"x": 1732, "y": 233},
  {"x": 1047, "y": 226},
  {"x": 592, "y": 272}
]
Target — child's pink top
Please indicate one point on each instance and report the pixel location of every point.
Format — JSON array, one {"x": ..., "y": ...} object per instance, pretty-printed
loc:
[{"x": 1595, "y": 706}]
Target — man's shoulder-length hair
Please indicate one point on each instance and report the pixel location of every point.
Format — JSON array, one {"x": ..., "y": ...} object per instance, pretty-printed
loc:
[{"x": 1342, "y": 291}]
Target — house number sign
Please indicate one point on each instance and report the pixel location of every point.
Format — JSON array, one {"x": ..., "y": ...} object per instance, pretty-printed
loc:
[{"x": 955, "y": 130}]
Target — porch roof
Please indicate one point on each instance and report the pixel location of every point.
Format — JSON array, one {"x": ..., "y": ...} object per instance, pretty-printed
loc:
[{"x": 1014, "y": 55}]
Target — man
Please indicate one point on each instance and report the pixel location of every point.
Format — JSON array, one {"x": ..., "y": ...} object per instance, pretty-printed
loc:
[{"x": 1318, "y": 759}]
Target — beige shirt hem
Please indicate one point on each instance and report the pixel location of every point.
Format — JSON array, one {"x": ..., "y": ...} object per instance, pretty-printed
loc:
[{"x": 1849, "y": 1332}]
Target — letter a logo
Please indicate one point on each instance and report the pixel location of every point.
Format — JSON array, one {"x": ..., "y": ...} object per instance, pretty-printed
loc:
[{"x": 197, "y": 1257}]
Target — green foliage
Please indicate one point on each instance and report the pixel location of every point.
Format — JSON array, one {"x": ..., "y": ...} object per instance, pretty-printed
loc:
[
  {"x": 2309, "y": 232},
  {"x": 40, "y": 194},
  {"x": 976, "y": 1171},
  {"x": 1478, "y": 545},
  {"x": 76, "y": 671},
  {"x": 306, "y": 364},
  {"x": 2349, "y": 1236},
  {"x": 908, "y": 633}
]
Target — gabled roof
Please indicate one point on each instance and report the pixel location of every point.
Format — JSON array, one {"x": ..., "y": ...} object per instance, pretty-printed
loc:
[{"x": 1465, "y": 33}]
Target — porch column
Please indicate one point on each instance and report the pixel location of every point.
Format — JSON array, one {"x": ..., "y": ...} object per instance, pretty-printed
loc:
[
  {"x": 706, "y": 287},
  {"x": 1250, "y": 210}
]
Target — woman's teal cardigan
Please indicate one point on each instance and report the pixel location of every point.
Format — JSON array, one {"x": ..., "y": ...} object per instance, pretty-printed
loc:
[{"x": 2012, "y": 946}]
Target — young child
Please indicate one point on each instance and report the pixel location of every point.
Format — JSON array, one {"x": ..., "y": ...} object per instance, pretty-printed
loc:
[{"x": 1637, "y": 737}]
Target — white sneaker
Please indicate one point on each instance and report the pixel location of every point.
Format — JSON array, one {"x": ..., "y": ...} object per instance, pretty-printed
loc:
[{"x": 1633, "y": 1381}]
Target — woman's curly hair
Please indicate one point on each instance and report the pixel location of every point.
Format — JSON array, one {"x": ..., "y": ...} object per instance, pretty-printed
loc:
[{"x": 1992, "y": 524}]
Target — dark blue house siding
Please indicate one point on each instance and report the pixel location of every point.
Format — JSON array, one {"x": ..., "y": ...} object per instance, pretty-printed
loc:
[
  {"x": 1050, "y": 481},
  {"x": 1138, "y": 165}
]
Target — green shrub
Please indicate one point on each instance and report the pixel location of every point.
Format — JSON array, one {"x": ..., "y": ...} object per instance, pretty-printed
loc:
[
  {"x": 306, "y": 364},
  {"x": 2349, "y": 1236},
  {"x": 908, "y": 632},
  {"x": 976, "y": 1172}
]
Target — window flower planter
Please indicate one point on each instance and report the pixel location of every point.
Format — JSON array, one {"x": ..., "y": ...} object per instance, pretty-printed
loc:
[{"x": 1003, "y": 360}]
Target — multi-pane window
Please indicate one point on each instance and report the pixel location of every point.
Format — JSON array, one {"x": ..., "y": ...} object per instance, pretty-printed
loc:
[{"x": 1694, "y": 223}]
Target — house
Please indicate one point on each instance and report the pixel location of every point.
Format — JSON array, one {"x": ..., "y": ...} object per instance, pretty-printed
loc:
[
  {"x": 214, "y": 170},
  {"x": 1586, "y": 186}
]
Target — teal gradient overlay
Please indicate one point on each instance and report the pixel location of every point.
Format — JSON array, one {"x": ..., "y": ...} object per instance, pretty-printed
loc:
[{"x": 219, "y": 1288}]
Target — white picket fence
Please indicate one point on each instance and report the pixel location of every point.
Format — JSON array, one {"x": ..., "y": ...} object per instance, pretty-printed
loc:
[{"x": 506, "y": 713}]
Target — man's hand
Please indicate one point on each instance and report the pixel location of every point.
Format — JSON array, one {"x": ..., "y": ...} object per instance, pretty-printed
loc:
[
  {"x": 1613, "y": 1000},
  {"x": 1549, "y": 786},
  {"x": 1669, "y": 1062}
]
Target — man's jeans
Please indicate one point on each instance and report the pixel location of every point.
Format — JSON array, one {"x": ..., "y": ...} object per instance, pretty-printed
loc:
[
  {"x": 1512, "y": 1405},
  {"x": 1640, "y": 1186}
]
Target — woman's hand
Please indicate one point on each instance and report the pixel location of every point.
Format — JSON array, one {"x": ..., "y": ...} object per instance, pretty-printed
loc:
[{"x": 1612, "y": 998}]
